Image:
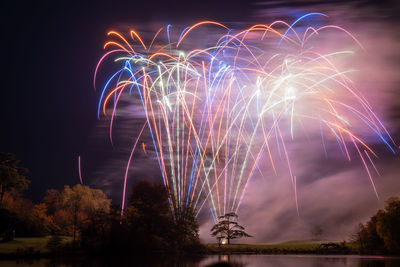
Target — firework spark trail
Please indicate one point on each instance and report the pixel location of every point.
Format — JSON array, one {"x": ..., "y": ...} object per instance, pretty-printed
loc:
[
  {"x": 127, "y": 168},
  {"x": 215, "y": 112},
  {"x": 80, "y": 169}
]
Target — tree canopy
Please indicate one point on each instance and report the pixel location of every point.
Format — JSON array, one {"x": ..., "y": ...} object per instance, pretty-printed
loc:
[
  {"x": 12, "y": 179},
  {"x": 83, "y": 202},
  {"x": 388, "y": 225},
  {"x": 148, "y": 222},
  {"x": 149, "y": 212},
  {"x": 381, "y": 234}
]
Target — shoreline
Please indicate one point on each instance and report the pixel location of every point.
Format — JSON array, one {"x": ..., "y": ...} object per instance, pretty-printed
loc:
[
  {"x": 81, "y": 253},
  {"x": 35, "y": 248},
  {"x": 77, "y": 256}
]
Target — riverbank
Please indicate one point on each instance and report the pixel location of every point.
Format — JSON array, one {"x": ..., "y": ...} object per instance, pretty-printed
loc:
[
  {"x": 292, "y": 247},
  {"x": 33, "y": 246},
  {"x": 39, "y": 247}
]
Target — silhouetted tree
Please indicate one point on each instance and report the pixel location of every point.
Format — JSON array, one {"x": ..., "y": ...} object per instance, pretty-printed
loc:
[
  {"x": 27, "y": 221},
  {"x": 95, "y": 232},
  {"x": 149, "y": 224},
  {"x": 382, "y": 232},
  {"x": 149, "y": 198},
  {"x": 368, "y": 239},
  {"x": 186, "y": 226},
  {"x": 149, "y": 216},
  {"x": 11, "y": 178},
  {"x": 228, "y": 228},
  {"x": 388, "y": 225},
  {"x": 7, "y": 224}
]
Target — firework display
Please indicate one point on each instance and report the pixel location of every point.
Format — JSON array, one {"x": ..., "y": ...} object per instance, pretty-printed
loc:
[{"x": 218, "y": 105}]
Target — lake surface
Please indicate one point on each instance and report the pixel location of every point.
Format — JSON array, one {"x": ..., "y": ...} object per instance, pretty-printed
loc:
[{"x": 219, "y": 260}]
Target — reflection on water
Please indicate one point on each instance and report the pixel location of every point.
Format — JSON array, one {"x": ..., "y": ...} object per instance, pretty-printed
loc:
[
  {"x": 217, "y": 260},
  {"x": 301, "y": 261}
]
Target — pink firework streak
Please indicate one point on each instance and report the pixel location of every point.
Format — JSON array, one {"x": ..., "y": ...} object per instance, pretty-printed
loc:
[{"x": 79, "y": 169}]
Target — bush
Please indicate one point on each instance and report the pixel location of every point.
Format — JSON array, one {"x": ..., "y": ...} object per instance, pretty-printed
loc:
[{"x": 54, "y": 243}]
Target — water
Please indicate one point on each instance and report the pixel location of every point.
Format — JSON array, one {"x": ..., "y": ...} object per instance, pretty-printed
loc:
[{"x": 218, "y": 260}]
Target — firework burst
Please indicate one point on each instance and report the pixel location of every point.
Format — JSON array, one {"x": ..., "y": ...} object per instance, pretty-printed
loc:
[{"x": 216, "y": 108}]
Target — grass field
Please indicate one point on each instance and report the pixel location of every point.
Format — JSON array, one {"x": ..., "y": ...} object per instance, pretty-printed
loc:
[
  {"x": 27, "y": 244},
  {"x": 285, "y": 245},
  {"x": 38, "y": 245},
  {"x": 296, "y": 246}
]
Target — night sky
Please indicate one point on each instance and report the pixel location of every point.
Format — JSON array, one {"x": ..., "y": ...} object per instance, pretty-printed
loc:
[
  {"x": 49, "y": 105},
  {"x": 51, "y": 50}
]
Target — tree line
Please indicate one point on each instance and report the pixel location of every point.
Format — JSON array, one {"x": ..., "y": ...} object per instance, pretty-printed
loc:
[{"x": 86, "y": 215}]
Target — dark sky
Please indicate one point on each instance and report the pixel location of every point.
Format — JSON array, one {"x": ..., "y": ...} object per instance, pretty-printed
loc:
[{"x": 49, "y": 52}]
